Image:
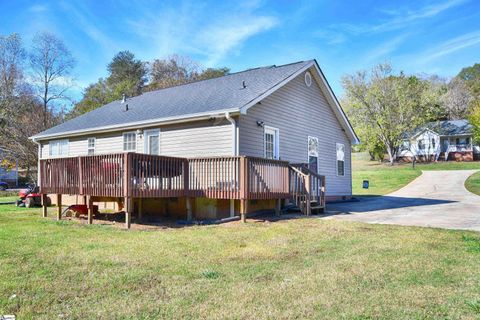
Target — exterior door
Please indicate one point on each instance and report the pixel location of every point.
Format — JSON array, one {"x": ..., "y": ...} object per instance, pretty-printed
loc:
[
  {"x": 152, "y": 142},
  {"x": 313, "y": 154},
  {"x": 271, "y": 143}
]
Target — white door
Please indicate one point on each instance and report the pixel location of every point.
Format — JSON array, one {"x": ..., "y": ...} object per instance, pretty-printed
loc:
[
  {"x": 271, "y": 143},
  {"x": 152, "y": 142}
]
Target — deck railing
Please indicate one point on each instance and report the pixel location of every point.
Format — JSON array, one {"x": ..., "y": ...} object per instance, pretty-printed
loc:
[{"x": 150, "y": 176}]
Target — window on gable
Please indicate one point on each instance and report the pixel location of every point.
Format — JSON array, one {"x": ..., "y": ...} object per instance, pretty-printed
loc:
[
  {"x": 91, "y": 146},
  {"x": 130, "y": 141},
  {"x": 58, "y": 148},
  {"x": 340, "y": 159},
  {"x": 433, "y": 143}
]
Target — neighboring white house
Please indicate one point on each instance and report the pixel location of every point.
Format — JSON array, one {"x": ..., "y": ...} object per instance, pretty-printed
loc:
[{"x": 441, "y": 140}]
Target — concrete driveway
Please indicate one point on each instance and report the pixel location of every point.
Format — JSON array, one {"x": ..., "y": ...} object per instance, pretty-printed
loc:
[{"x": 435, "y": 199}]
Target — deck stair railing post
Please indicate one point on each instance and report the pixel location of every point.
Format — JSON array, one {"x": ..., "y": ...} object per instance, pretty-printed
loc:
[{"x": 307, "y": 189}]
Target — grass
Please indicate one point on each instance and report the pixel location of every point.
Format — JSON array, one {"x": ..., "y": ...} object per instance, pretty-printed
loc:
[
  {"x": 304, "y": 268},
  {"x": 473, "y": 183},
  {"x": 384, "y": 178}
]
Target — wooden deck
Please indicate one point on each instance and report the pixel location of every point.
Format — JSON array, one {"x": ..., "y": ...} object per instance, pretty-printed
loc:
[{"x": 133, "y": 175}]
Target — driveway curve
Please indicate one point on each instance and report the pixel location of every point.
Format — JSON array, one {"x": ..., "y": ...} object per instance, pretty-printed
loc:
[{"x": 435, "y": 199}]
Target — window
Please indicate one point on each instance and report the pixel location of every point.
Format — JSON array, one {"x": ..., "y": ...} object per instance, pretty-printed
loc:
[
  {"x": 308, "y": 79},
  {"x": 433, "y": 143},
  {"x": 421, "y": 145},
  {"x": 405, "y": 145},
  {"x": 91, "y": 146},
  {"x": 271, "y": 143},
  {"x": 340, "y": 159},
  {"x": 467, "y": 141},
  {"x": 457, "y": 141},
  {"x": 58, "y": 148},
  {"x": 130, "y": 141},
  {"x": 313, "y": 153}
]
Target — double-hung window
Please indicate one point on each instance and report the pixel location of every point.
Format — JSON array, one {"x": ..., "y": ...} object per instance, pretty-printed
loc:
[
  {"x": 58, "y": 148},
  {"x": 271, "y": 143},
  {"x": 91, "y": 146},
  {"x": 340, "y": 159},
  {"x": 130, "y": 141}
]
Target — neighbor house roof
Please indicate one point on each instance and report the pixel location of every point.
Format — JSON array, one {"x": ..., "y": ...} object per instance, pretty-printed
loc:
[
  {"x": 446, "y": 128},
  {"x": 233, "y": 93}
]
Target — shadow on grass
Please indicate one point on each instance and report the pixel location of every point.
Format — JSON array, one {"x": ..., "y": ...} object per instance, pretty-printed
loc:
[{"x": 369, "y": 204}]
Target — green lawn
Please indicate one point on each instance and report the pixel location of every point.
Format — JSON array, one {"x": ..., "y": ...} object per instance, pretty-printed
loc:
[
  {"x": 473, "y": 183},
  {"x": 384, "y": 178},
  {"x": 305, "y": 268}
]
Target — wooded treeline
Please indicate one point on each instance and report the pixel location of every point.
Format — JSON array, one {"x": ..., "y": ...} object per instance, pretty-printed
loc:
[
  {"x": 383, "y": 105},
  {"x": 35, "y": 83}
]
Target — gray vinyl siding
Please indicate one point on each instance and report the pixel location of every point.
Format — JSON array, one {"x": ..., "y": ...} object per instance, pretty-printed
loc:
[
  {"x": 299, "y": 111},
  {"x": 206, "y": 138}
]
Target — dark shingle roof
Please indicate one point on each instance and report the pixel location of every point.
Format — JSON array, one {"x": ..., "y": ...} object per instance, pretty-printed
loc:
[
  {"x": 446, "y": 128},
  {"x": 213, "y": 95}
]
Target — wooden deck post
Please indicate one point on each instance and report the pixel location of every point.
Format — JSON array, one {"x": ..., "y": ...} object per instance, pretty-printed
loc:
[
  {"x": 128, "y": 212},
  {"x": 44, "y": 205},
  {"x": 90, "y": 211},
  {"x": 243, "y": 210},
  {"x": 278, "y": 207},
  {"x": 308, "y": 187},
  {"x": 188, "y": 201},
  {"x": 140, "y": 209},
  {"x": 59, "y": 206}
]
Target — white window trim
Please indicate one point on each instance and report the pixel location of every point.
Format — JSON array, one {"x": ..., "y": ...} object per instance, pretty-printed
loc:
[
  {"x": 145, "y": 142},
  {"x": 59, "y": 142},
  {"x": 277, "y": 142},
  {"x": 123, "y": 141},
  {"x": 336, "y": 160},
  {"x": 94, "y": 145}
]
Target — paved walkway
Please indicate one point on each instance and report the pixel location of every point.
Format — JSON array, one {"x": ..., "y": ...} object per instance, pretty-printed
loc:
[{"x": 435, "y": 199}]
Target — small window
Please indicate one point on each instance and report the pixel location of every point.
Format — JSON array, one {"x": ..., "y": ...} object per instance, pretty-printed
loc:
[
  {"x": 468, "y": 140},
  {"x": 433, "y": 143},
  {"x": 58, "y": 148},
  {"x": 421, "y": 145},
  {"x": 340, "y": 159},
  {"x": 271, "y": 143},
  {"x": 457, "y": 141},
  {"x": 91, "y": 146},
  {"x": 129, "y": 141}
]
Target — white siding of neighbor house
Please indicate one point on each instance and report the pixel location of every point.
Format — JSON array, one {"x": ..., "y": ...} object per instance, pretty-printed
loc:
[
  {"x": 299, "y": 111},
  {"x": 200, "y": 139},
  {"x": 427, "y": 137}
]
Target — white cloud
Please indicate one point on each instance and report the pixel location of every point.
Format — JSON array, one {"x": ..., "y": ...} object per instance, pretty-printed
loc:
[{"x": 452, "y": 45}]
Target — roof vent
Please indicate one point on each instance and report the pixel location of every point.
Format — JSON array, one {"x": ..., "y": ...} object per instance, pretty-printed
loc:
[
  {"x": 126, "y": 107},
  {"x": 124, "y": 97},
  {"x": 244, "y": 84}
]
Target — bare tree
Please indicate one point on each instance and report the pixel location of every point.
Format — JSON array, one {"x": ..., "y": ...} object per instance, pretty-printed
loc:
[
  {"x": 457, "y": 99},
  {"x": 51, "y": 64}
]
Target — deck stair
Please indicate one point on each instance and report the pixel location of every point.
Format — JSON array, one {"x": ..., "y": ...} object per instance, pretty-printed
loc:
[{"x": 307, "y": 189}]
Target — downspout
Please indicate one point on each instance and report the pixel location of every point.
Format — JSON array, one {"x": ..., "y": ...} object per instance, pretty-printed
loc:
[
  {"x": 234, "y": 153},
  {"x": 38, "y": 161},
  {"x": 234, "y": 133}
]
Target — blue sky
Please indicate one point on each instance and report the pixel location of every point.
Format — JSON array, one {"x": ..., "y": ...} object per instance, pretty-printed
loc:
[{"x": 433, "y": 37}]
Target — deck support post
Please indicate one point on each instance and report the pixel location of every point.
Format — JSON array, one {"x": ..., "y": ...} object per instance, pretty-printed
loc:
[
  {"x": 278, "y": 207},
  {"x": 44, "y": 205},
  {"x": 232, "y": 208},
  {"x": 243, "y": 210},
  {"x": 90, "y": 211},
  {"x": 188, "y": 202},
  {"x": 140, "y": 209},
  {"x": 59, "y": 206},
  {"x": 128, "y": 212}
]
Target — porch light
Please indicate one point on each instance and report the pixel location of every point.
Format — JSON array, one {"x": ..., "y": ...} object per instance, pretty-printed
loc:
[{"x": 260, "y": 123}]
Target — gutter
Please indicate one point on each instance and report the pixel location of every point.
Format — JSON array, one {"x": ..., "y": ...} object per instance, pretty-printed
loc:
[
  {"x": 132, "y": 125},
  {"x": 234, "y": 133}
]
